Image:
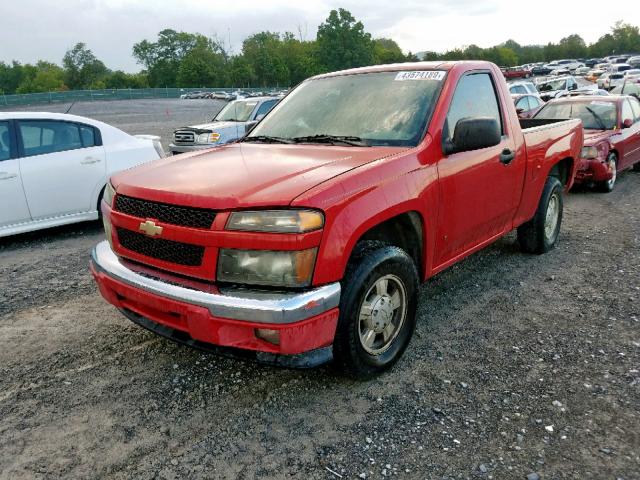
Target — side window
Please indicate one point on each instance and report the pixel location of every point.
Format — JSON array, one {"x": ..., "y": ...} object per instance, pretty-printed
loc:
[
  {"x": 5, "y": 141},
  {"x": 627, "y": 113},
  {"x": 518, "y": 89},
  {"x": 523, "y": 103},
  {"x": 475, "y": 96},
  {"x": 635, "y": 106},
  {"x": 88, "y": 136},
  {"x": 265, "y": 107},
  {"x": 40, "y": 137}
]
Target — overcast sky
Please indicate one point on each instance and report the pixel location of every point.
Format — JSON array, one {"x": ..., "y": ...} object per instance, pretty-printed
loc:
[{"x": 45, "y": 29}]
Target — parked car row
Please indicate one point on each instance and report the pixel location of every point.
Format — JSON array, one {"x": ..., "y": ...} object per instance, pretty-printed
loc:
[{"x": 234, "y": 95}]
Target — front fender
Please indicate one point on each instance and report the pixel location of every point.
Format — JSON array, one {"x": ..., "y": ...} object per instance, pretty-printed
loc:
[{"x": 348, "y": 220}]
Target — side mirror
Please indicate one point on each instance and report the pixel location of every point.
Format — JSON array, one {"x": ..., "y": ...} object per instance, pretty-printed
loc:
[
  {"x": 260, "y": 117},
  {"x": 573, "y": 86},
  {"x": 627, "y": 122},
  {"x": 519, "y": 110},
  {"x": 473, "y": 134},
  {"x": 250, "y": 126}
]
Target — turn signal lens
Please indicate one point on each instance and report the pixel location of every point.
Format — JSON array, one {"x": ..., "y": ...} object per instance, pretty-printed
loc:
[{"x": 276, "y": 221}]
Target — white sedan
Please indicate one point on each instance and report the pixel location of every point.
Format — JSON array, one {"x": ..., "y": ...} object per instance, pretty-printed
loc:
[{"x": 54, "y": 167}]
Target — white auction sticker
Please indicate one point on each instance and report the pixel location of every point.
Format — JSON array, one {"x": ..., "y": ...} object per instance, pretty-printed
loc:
[{"x": 437, "y": 75}]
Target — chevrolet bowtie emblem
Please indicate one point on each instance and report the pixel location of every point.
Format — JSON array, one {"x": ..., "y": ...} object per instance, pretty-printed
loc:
[{"x": 150, "y": 228}]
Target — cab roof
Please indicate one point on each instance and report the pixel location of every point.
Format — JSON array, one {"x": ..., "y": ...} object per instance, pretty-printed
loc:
[{"x": 411, "y": 66}]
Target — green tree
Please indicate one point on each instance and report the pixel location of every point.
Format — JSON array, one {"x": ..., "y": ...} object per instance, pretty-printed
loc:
[
  {"x": 82, "y": 67},
  {"x": 163, "y": 57},
  {"x": 203, "y": 65},
  {"x": 386, "y": 50},
  {"x": 11, "y": 76},
  {"x": 343, "y": 42},
  {"x": 44, "y": 77},
  {"x": 265, "y": 52}
]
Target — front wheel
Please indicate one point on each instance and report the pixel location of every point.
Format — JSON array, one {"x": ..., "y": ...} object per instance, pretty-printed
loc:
[
  {"x": 377, "y": 309},
  {"x": 608, "y": 185},
  {"x": 540, "y": 234}
]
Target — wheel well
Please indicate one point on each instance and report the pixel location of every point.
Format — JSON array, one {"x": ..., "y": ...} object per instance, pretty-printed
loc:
[
  {"x": 403, "y": 231},
  {"x": 561, "y": 170},
  {"x": 99, "y": 202}
]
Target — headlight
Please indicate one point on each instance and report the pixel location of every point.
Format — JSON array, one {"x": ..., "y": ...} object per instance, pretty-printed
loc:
[
  {"x": 589, "y": 153},
  {"x": 208, "y": 138},
  {"x": 109, "y": 193},
  {"x": 276, "y": 221},
  {"x": 262, "y": 267}
]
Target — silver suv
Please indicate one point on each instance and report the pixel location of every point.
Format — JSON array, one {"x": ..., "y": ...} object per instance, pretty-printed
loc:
[{"x": 233, "y": 121}]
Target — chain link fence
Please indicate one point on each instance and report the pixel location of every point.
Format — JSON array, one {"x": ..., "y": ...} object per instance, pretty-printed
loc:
[{"x": 109, "y": 94}]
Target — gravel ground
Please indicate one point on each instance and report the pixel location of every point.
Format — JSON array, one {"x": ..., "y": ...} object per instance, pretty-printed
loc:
[{"x": 521, "y": 367}]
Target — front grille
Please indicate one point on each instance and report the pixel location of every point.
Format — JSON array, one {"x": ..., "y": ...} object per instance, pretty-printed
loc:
[
  {"x": 164, "y": 212},
  {"x": 161, "y": 249},
  {"x": 184, "y": 137}
]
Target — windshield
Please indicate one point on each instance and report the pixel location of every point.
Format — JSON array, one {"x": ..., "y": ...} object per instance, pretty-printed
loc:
[
  {"x": 386, "y": 108},
  {"x": 237, "y": 111},
  {"x": 595, "y": 115},
  {"x": 552, "y": 85}
]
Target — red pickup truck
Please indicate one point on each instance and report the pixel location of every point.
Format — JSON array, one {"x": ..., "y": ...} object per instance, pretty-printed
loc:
[{"x": 307, "y": 240}]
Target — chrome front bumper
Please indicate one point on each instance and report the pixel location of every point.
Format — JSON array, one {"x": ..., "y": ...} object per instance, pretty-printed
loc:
[
  {"x": 232, "y": 303},
  {"x": 176, "y": 149}
]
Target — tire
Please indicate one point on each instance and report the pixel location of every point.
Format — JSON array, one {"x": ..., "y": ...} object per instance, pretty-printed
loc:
[
  {"x": 609, "y": 185},
  {"x": 540, "y": 234},
  {"x": 636, "y": 167},
  {"x": 377, "y": 309}
]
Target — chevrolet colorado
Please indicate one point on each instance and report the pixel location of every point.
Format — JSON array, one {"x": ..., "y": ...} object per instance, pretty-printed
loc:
[{"x": 307, "y": 240}]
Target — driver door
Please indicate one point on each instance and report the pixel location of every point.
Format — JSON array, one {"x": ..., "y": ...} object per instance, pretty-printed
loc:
[{"x": 479, "y": 189}]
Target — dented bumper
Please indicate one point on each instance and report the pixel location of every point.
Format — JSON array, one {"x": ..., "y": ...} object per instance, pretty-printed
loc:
[{"x": 305, "y": 321}]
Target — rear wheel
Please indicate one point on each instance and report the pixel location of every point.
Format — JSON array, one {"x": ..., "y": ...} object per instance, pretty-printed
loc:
[
  {"x": 608, "y": 185},
  {"x": 540, "y": 234},
  {"x": 377, "y": 309}
]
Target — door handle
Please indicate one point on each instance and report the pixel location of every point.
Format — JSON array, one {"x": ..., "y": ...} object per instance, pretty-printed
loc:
[
  {"x": 89, "y": 161},
  {"x": 506, "y": 156},
  {"x": 7, "y": 175}
]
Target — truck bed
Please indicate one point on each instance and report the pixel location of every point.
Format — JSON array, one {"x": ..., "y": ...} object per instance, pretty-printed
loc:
[{"x": 529, "y": 123}]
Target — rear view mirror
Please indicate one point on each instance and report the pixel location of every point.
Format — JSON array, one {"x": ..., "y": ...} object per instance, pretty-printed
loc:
[
  {"x": 473, "y": 134},
  {"x": 627, "y": 122}
]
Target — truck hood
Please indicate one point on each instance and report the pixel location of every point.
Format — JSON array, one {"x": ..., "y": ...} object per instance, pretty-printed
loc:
[
  {"x": 215, "y": 126},
  {"x": 593, "y": 137},
  {"x": 243, "y": 175}
]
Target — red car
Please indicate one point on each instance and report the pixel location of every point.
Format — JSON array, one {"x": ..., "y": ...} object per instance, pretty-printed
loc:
[
  {"x": 515, "y": 72},
  {"x": 527, "y": 105},
  {"x": 612, "y": 135},
  {"x": 307, "y": 240}
]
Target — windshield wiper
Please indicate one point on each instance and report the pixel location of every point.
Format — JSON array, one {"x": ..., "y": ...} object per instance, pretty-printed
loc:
[
  {"x": 597, "y": 117},
  {"x": 266, "y": 139},
  {"x": 332, "y": 139}
]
